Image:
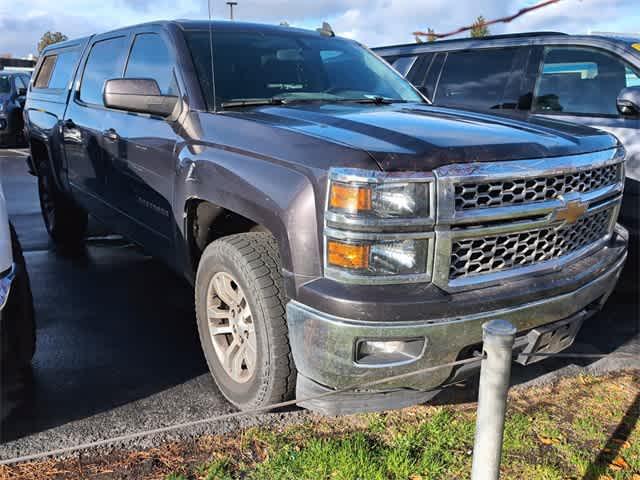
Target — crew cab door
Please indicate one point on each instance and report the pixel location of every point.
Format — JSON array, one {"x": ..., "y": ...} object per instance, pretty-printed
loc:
[
  {"x": 83, "y": 124},
  {"x": 139, "y": 150}
]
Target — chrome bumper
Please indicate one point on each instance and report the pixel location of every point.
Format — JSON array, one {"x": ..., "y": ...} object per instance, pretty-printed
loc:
[
  {"x": 324, "y": 345},
  {"x": 5, "y": 285}
]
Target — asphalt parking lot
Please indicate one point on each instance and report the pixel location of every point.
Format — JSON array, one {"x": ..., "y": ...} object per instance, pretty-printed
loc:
[{"x": 118, "y": 351}]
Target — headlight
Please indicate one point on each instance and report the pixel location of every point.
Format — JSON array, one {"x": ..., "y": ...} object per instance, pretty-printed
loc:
[
  {"x": 364, "y": 200},
  {"x": 379, "y": 226},
  {"x": 396, "y": 200},
  {"x": 394, "y": 257}
]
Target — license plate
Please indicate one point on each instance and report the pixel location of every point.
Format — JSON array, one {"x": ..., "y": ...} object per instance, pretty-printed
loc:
[{"x": 550, "y": 339}]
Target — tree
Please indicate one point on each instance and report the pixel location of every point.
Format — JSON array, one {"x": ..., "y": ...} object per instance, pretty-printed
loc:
[
  {"x": 479, "y": 28},
  {"x": 50, "y": 38}
]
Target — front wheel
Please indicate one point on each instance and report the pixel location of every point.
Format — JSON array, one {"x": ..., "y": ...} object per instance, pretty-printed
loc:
[{"x": 240, "y": 307}]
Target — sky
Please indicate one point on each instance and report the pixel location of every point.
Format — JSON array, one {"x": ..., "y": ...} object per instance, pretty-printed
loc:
[{"x": 372, "y": 22}]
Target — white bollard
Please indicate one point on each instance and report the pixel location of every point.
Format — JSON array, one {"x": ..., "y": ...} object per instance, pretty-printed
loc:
[{"x": 498, "y": 337}]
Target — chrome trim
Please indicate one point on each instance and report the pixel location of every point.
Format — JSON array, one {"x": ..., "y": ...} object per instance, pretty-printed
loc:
[
  {"x": 490, "y": 221},
  {"x": 5, "y": 285},
  {"x": 358, "y": 175},
  {"x": 531, "y": 209}
]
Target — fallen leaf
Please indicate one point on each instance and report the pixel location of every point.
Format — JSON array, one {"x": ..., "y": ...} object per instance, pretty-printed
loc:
[
  {"x": 604, "y": 477},
  {"x": 619, "y": 463},
  {"x": 547, "y": 440},
  {"x": 415, "y": 477},
  {"x": 635, "y": 476}
]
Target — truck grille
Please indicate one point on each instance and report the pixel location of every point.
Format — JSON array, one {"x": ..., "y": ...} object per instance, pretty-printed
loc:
[
  {"x": 496, "y": 253},
  {"x": 471, "y": 195}
]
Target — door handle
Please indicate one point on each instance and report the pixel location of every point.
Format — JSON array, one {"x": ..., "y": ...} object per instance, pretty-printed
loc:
[{"x": 111, "y": 134}]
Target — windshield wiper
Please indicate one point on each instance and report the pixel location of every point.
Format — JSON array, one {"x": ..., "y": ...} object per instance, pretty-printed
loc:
[
  {"x": 377, "y": 100},
  {"x": 253, "y": 102}
]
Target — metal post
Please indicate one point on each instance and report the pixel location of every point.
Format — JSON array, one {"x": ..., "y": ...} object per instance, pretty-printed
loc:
[
  {"x": 231, "y": 5},
  {"x": 498, "y": 337}
]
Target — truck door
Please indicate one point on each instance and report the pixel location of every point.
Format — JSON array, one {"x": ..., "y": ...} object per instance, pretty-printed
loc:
[
  {"x": 139, "y": 150},
  {"x": 83, "y": 125},
  {"x": 580, "y": 85}
]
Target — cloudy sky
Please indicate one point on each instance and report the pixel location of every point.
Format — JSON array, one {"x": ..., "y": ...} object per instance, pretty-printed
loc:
[{"x": 374, "y": 22}]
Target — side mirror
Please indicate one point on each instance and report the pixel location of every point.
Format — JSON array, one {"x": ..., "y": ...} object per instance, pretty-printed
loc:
[
  {"x": 628, "y": 102},
  {"x": 22, "y": 92},
  {"x": 140, "y": 95}
]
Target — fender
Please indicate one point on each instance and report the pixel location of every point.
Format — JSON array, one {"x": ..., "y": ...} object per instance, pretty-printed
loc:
[{"x": 273, "y": 195}]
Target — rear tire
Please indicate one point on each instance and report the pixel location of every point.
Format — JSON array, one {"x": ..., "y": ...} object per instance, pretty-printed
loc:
[
  {"x": 65, "y": 222},
  {"x": 240, "y": 307},
  {"x": 17, "y": 319}
]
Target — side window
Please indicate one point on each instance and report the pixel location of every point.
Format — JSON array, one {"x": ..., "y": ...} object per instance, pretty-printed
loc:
[
  {"x": 105, "y": 62},
  {"x": 63, "y": 70},
  {"x": 419, "y": 69},
  {"x": 577, "y": 80},
  {"x": 150, "y": 59},
  {"x": 46, "y": 69},
  {"x": 19, "y": 82},
  {"x": 475, "y": 78},
  {"x": 632, "y": 78},
  {"x": 26, "y": 79},
  {"x": 404, "y": 64}
]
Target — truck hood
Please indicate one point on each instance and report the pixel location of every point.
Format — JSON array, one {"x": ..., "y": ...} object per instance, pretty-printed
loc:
[{"x": 419, "y": 137}]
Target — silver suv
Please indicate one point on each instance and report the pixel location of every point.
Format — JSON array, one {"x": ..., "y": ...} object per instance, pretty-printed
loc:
[{"x": 589, "y": 79}]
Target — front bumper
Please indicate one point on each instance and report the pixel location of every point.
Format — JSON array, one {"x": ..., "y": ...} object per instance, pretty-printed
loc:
[
  {"x": 5, "y": 285},
  {"x": 324, "y": 344}
]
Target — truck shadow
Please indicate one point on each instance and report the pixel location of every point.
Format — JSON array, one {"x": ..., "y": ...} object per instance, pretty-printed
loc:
[{"x": 615, "y": 442}]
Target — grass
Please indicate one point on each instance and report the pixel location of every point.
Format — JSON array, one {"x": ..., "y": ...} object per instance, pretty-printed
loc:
[{"x": 584, "y": 428}]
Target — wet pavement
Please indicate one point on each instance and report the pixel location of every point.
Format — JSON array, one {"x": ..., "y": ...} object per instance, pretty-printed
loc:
[{"x": 118, "y": 349}]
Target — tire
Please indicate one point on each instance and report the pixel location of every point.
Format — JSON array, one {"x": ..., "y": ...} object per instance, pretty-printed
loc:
[
  {"x": 17, "y": 319},
  {"x": 65, "y": 222},
  {"x": 251, "y": 263}
]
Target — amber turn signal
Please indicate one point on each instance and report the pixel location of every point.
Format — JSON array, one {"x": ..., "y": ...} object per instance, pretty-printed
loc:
[
  {"x": 350, "y": 198},
  {"x": 346, "y": 255}
]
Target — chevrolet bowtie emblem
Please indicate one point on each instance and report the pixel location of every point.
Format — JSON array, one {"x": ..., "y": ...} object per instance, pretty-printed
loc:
[{"x": 572, "y": 211}]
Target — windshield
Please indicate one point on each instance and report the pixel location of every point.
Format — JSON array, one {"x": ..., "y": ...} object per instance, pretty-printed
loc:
[
  {"x": 5, "y": 84},
  {"x": 290, "y": 66}
]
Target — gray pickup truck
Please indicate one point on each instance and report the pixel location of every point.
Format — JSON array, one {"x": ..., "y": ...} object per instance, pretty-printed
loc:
[{"x": 336, "y": 227}]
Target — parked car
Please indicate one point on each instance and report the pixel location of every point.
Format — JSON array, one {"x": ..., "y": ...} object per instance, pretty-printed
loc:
[
  {"x": 17, "y": 325},
  {"x": 586, "y": 79},
  {"x": 13, "y": 91},
  {"x": 337, "y": 229}
]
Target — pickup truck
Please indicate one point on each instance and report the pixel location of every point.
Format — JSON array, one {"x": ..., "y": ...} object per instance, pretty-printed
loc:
[{"x": 336, "y": 227}]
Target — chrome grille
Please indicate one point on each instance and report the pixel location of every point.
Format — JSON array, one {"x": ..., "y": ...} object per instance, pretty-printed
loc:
[
  {"x": 471, "y": 195},
  {"x": 490, "y": 254}
]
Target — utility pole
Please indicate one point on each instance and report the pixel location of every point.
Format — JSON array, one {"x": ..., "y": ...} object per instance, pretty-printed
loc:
[{"x": 231, "y": 5}]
